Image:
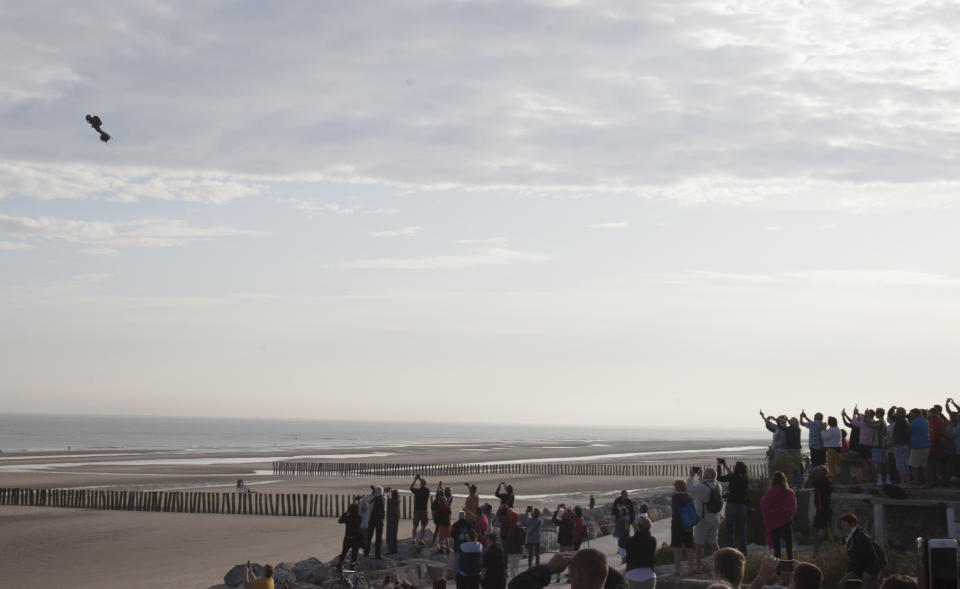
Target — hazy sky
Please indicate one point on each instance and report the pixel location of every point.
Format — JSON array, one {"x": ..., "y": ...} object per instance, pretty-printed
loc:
[{"x": 588, "y": 212}]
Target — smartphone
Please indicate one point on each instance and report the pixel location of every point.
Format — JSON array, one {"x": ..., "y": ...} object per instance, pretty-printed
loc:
[{"x": 942, "y": 563}]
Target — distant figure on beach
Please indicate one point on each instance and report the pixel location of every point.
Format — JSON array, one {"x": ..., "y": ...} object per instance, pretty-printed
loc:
[
  {"x": 251, "y": 581},
  {"x": 779, "y": 505},
  {"x": 421, "y": 502},
  {"x": 240, "y": 485},
  {"x": 593, "y": 502},
  {"x": 393, "y": 520},
  {"x": 352, "y": 538},
  {"x": 506, "y": 496}
]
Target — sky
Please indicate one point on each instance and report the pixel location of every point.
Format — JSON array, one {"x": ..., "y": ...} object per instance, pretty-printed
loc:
[{"x": 626, "y": 213}]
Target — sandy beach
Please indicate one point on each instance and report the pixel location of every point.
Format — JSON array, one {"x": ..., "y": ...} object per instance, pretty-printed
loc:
[{"x": 81, "y": 547}]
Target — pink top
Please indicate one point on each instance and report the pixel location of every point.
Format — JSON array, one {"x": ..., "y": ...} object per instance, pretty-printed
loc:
[
  {"x": 866, "y": 434},
  {"x": 778, "y": 506}
]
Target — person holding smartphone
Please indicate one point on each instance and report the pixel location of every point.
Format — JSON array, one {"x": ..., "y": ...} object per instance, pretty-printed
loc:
[
  {"x": 862, "y": 558},
  {"x": 264, "y": 581}
]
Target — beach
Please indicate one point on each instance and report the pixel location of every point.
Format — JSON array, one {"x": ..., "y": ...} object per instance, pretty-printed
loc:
[{"x": 79, "y": 546}]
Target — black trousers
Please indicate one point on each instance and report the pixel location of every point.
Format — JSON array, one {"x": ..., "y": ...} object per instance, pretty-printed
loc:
[
  {"x": 374, "y": 530},
  {"x": 350, "y": 543}
]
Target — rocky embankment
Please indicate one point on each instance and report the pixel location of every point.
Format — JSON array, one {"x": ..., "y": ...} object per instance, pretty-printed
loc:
[{"x": 421, "y": 565}]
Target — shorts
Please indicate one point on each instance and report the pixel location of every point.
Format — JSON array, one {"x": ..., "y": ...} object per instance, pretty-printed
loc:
[
  {"x": 821, "y": 520},
  {"x": 902, "y": 454},
  {"x": 918, "y": 457},
  {"x": 880, "y": 455},
  {"x": 864, "y": 452},
  {"x": 680, "y": 537},
  {"x": 419, "y": 517},
  {"x": 706, "y": 530}
]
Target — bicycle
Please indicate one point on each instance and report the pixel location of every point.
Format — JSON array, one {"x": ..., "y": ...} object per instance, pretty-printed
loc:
[{"x": 350, "y": 579}]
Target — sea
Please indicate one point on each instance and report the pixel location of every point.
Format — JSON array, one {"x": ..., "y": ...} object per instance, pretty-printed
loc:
[{"x": 35, "y": 433}]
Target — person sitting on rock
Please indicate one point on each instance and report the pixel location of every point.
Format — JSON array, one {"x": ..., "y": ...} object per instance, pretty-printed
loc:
[{"x": 265, "y": 581}]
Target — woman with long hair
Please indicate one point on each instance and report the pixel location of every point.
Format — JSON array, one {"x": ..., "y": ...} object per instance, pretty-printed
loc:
[{"x": 779, "y": 505}]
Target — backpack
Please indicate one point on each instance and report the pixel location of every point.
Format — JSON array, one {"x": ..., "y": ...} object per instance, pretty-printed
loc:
[
  {"x": 688, "y": 516},
  {"x": 715, "y": 503}
]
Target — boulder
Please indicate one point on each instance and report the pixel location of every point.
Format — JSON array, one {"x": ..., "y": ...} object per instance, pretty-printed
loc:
[
  {"x": 313, "y": 570},
  {"x": 234, "y": 577},
  {"x": 283, "y": 575}
]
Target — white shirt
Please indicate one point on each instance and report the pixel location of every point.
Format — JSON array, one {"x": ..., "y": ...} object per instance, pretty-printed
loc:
[{"x": 831, "y": 437}]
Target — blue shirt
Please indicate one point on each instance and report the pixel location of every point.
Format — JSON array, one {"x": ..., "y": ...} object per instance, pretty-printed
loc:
[
  {"x": 816, "y": 439},
  {"x": 919, "y": 433}
]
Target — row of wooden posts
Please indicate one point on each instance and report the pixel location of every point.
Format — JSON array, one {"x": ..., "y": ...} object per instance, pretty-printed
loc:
[
  {"x": 291, "y": 504},
  {"x": 755, "y": 468}
]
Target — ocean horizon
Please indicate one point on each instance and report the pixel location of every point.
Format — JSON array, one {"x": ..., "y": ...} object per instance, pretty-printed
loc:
[{"x": 54, "y": 432}]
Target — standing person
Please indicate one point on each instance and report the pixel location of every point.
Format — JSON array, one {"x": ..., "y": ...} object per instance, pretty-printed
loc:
[
  {"x": 818, "y": 454},
  {"x": 779, "y": 505},
  {"x": 563, "y": 519},
  {"x": 623, "y": 501},
  {"x": 534, "y": 527},
  {"x": 443, "y": 525},
  {"x": 844, "y": 443},
  {"x": 506, "y": 516},
  {"x": 351, "y": 533},
  {"x": 471, "y": 505},
  {"x": 819, "y": 481},
  {"x": 433, "y": 511},
  {"x": 505, "y": 496},
  {"x": 919, "y": 448},
  {"x": 681, "y": 537},
  {"x": 470, "y": 561},
  {"x": 365, "y": 523},
  {"x": 513, "y": 543},
  {"x": 494, "y": 572},
  {"x": 863, "y": 561},
  {"x": 878, "y": 443},
  {"x": 738, "y": 502},
  {"x": 832, "y": 439},
  {"x": 953, "y": 433},
  {"x": 793, "y": 446},
  {"x": 622, "y": 525},
  {"x": 892, "y": 468},
  {"x": 638, "y": 552},
  {"x": 593, "y": 502},
  {"x": 393, "y": 521},
  {"x": 375, "y": 523},
  {"x": 777, "y": 443},
  {"x": 483, "y": 524},
  {"x": 579, "y": 527},
  {"x": 865, "y": 442},
  {"x": 708, "y": 497},
  {"x": 421, "y": 501},
  {"x": 938, "y": 452}
]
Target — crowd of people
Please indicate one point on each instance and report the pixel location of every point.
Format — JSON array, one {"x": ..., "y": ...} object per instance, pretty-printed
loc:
[
  {"x": 915, "y": 448},
  {"x": 487, "y": 543}
]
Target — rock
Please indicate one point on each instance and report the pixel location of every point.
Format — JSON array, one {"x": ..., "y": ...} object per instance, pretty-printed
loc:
[
  {"x": 234, "y": 577},
  {"x": 313, "y": 570},
  {"x": 282, "y": 575},
  {"x": 221, "y": 586}
]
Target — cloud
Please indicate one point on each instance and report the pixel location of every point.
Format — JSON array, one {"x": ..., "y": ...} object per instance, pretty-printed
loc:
[
  {"x": 491, "y": 241},
  {"x": 480, "y": 257},
  {"x": 10, "y": 246},
  {"x": 611, "y": 225},
  {"x": 772, "y": 97},
  {"x": 111, "y": 183},
  {"x": 403, "y": 232},
  {"x": 99, "y": 251},
  {"x": 312, "y": 208},
  {"x": 107, "y": 236},
  {"x": 850, "y": 278}
]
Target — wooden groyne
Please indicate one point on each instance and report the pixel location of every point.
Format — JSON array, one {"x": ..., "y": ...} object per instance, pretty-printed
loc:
[
  {"x": 280, "y": 504},
  {"x": 755, "y": 468}
]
